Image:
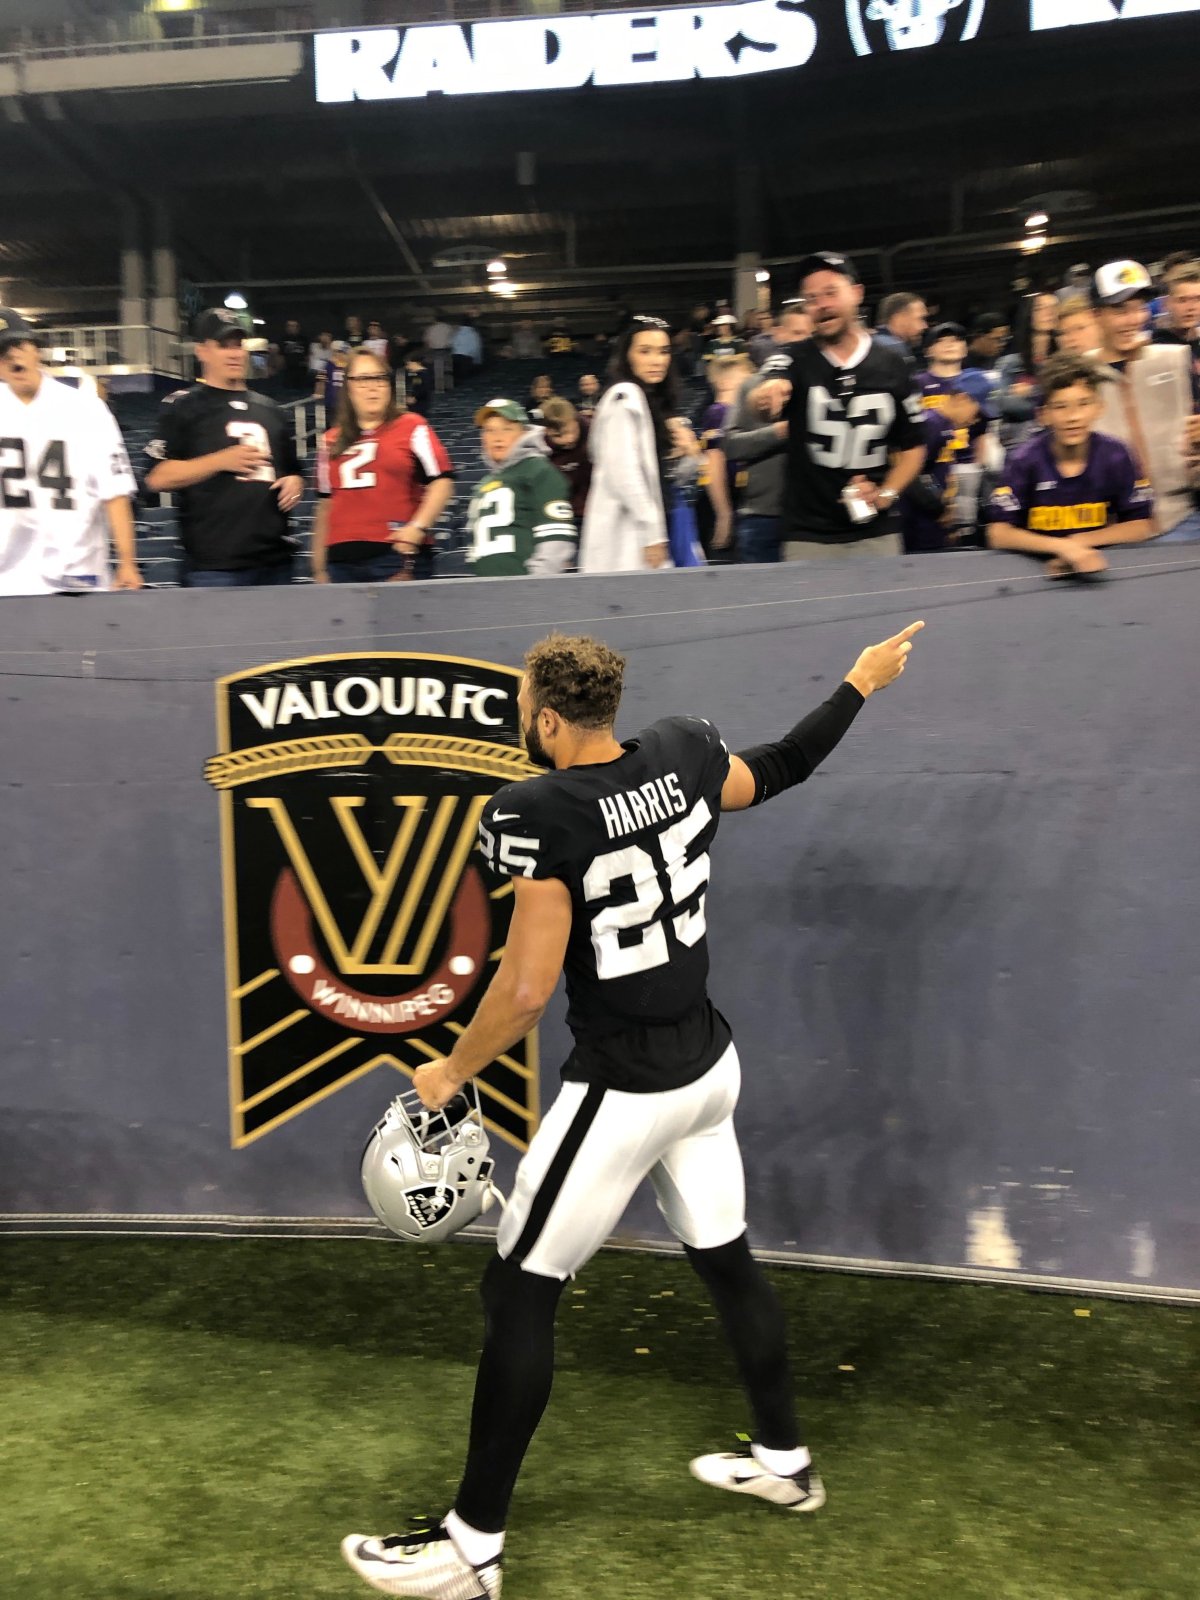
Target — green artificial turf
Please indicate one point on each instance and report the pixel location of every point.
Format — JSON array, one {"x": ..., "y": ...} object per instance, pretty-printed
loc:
[{"x": 204, "y": 1419}]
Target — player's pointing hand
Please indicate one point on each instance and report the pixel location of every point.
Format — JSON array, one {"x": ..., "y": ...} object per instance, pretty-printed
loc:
[{"x": 881, "y": 664}]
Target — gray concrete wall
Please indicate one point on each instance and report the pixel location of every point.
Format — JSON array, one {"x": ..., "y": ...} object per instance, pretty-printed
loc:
[{"x": 960, "y": 963}]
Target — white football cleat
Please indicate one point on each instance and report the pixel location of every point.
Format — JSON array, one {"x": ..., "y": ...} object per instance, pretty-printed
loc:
[
  {"x": 743, "y": 1474},
  {"x": 425, "y": 1564}
]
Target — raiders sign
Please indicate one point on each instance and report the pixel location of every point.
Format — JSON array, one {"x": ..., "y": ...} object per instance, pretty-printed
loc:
[
  {"x": 911, "y": 24},
  {"x": 360, "y": 929}
]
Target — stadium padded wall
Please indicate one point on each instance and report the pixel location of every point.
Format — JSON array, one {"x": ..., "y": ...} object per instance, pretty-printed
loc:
[{"x": 960, "y": 963}]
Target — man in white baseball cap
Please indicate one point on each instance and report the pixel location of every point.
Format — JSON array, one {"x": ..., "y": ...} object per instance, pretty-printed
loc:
[{"x": 1151, "y": 402}]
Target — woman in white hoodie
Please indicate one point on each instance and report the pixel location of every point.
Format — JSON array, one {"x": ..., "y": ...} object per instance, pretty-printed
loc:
[{"x": 641, "y": 451}]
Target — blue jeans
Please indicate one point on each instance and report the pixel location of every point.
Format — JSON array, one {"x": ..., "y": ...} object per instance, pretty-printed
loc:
[
  {"x": 758, "y": 537},
  {"x": 380, "y": 568},
  {"x": 1185, "y": 533},
  {"x": 244, "y": 578}
]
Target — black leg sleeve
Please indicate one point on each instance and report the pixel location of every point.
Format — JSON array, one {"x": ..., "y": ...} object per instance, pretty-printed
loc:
[
  {"x": 756, "y": 1328},
  {"x": 516, "y": 1371}
]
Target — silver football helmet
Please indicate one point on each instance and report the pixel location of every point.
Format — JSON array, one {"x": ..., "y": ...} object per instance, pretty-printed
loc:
[{"x": 427, "y": 1173}]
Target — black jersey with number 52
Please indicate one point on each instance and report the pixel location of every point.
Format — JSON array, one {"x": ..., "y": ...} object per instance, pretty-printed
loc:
[
  {"x": 630, "y": 840},
  {"x": 843, "y": 422}
]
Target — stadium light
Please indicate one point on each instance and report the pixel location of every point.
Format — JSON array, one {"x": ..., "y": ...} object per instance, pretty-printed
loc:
[
  {"x": 1038, "y": 221},
  {"x": 1034, "y": 243},
  {"x": 235, "y": 301},
  {"x": 497, "y": 268},
  {"x": 504, "y": 288},
  {"x": 762, "y": 276}
]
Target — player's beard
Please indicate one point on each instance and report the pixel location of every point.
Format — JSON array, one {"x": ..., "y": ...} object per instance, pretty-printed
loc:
[{"x": 535, "y": 749}]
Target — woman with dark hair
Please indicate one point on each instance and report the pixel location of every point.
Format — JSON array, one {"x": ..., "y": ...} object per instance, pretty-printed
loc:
[
  {"x": 645, "y": 457},
  {"x": 383, "y": 478},
  {"x": 1036, "y": 341}
]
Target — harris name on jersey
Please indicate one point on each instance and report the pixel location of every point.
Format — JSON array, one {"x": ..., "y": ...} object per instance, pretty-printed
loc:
[{"x": 631, "y": 810}]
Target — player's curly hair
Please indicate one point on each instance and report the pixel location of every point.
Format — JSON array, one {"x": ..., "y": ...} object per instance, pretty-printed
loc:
[{"x": 580, "y": 678}]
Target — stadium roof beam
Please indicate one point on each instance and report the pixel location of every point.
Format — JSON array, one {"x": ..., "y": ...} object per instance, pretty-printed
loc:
[{"x": 391, "y": 227}]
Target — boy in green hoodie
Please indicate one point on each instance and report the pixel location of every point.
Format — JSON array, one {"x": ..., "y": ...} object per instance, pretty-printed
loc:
[{"x": 520, "y": 514}]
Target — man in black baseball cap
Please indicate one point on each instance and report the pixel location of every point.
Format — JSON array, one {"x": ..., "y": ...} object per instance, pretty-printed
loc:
[
  {"x": 219, "y": 326},
  {"x": 15, "y": 330},
  {"x": 828, "y": 261},
  {"x": 854, "y": 439},
  {"x": 230, "y": 456}
]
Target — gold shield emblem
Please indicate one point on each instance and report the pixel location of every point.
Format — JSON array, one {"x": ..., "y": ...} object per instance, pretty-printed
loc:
[{"x": 360, "y": 927}]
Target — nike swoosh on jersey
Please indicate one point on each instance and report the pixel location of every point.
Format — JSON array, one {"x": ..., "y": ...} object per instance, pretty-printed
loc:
[{"x": 506, "y": 816}]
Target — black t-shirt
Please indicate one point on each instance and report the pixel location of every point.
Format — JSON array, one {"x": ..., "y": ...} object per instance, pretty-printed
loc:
[
  {"x": 226, "y": 523},
  {"x": 842, "y": 423},
  {"x": 630, "y": 840}
]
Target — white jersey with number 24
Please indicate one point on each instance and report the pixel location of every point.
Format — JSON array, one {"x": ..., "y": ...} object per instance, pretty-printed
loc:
[{"x": 61, "y": 458}]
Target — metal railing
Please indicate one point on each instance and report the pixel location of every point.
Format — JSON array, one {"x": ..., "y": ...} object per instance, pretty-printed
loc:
[{"x": 110, "y": 349}]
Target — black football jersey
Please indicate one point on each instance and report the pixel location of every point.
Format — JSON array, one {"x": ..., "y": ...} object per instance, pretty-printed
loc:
[
  {"x": 228, "y": 523},
  {"x": 843, "y": 422},
  {"x": 630, "y": 840}
]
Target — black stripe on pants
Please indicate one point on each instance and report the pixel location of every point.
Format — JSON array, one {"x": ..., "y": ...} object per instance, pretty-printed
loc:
[{"x": 556, "y": 1172}]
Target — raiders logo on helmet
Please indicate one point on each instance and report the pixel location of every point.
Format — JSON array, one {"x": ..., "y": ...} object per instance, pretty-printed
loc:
[
  {"x": 428, "y": 1173},
  {"x": 880, "y": 25},
  {"x": 428, "y": 1204}
]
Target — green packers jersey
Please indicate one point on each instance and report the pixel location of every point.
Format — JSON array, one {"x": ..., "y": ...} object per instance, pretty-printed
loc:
[{"x": 519, "y": 518}]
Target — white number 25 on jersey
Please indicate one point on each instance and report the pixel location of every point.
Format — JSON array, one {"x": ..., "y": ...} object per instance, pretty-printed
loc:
[{"x": 632, "y": 862}]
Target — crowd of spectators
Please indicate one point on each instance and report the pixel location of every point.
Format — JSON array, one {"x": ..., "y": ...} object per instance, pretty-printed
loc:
[{"x": 801, "y": 433}]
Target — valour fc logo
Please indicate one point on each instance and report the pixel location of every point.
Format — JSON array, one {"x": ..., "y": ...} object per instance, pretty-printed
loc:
[
  {"x": 910, "y": 24},
  {"x": 360, "y": 930}
]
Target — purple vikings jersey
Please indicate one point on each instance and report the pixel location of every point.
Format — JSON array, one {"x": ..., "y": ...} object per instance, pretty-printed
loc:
[
  {"x": 1034, "y": 494},
  {"x": 933, "y": 391},
  {"x": 923, "y": 529}
]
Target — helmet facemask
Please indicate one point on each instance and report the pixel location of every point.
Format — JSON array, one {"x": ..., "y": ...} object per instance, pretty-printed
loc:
[{"x": 427, "y": 1173}]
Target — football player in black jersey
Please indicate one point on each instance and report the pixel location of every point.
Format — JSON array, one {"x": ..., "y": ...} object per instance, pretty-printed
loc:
[
  {"x": 854, "y": 430},
  {"x": 230, "y": 456},
  {"x": 608, "y": 856}
]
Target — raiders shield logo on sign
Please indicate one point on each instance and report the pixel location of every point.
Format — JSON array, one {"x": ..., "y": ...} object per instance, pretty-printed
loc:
[
  {"x": 360, "y": 930},
  {"x": 911, "y": 24}
]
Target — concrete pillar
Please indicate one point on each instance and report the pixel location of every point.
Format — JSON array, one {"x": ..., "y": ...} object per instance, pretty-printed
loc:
[
  {"x": 748, "y": 293},
  {"x": 164, "y": 306},
  {"x": 749, "y": 214},
  {"x": 135, "y": 351}
]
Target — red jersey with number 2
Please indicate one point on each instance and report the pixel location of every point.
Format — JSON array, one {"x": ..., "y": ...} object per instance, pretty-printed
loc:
[{"x": 380, "y": 480}]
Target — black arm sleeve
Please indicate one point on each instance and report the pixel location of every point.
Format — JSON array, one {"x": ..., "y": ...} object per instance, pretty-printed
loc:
[{"x": 798, "y": 754}]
